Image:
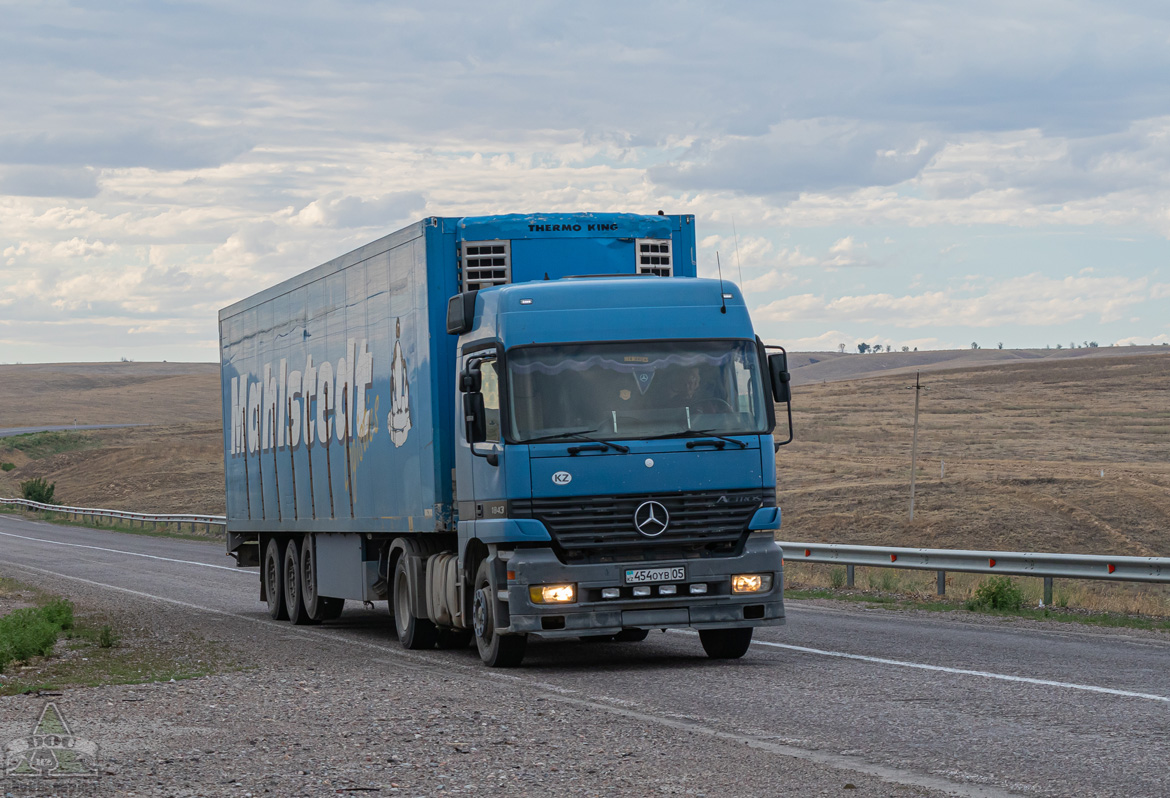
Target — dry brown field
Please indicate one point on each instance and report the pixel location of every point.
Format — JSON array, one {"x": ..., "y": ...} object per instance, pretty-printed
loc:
[
  {"x": 173, "y": 463},
  {"x": 1068, "y": 454},
  {"x": 1041, "y": 454}
]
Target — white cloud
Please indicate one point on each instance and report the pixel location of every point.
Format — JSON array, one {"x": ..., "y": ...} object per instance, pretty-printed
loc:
[
  {"x": 385, "y": 212},
  {"x": 193, "y": 154},
  {"x": 1032, "y": 300},
  {"x": 1144, "y": 340}
]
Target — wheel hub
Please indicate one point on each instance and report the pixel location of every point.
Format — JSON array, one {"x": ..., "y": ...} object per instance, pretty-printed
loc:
[{"x": 480, "y": 614}]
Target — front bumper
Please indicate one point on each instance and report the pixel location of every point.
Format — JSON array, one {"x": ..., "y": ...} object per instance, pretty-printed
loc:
[{"x": 719, "y": 608}]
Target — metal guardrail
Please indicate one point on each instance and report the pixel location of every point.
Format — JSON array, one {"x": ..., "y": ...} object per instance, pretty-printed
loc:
[
  {"x": 208, "y": 521},
  {"x": 1047, "y": 566}
]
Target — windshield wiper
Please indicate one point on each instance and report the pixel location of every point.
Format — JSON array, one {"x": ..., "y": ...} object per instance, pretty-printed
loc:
[
  {"x": 580, "y": 436},
  {"x": 698, "y": 433}
]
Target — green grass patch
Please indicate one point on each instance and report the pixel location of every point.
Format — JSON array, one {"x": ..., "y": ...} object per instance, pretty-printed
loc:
[
  {"x": 93, "y": 651},
  {"x": 996, "y": 593},
  {"x": 91, "y": 665},
  {"x": 35, "y": 445},
  {"x": 33, "y": 631}
]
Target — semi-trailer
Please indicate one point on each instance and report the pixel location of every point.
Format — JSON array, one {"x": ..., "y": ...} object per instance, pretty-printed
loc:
[{"x": 508, "y": 426}]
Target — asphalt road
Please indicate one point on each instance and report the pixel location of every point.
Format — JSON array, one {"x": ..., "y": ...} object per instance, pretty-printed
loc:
[
  {"x": 938, "y": 703},
  {"x": 11, "y": 431}
]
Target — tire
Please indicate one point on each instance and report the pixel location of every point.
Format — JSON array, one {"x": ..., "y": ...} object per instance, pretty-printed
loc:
[
  {"x": 293, "y": 595},
  {"x": 725, "y": 643},
  {"x": 496, "y": 651},
  {"x": 453, "y": 638},
  {"x": 274, "y": 580},
  {"x": 632, "y": 635},
  {"x": 414, "y": 633},
  {"x": 319, "y": 608}
]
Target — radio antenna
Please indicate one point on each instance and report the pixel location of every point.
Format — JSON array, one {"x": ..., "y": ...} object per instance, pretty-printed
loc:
[
  {"x": 737, "y": 263},
  {"x": 722, "y": 298}
]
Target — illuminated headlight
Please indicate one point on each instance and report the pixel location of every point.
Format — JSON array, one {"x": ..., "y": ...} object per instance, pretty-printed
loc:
[
  {"x": 611, "y": 592},
  {"x": 751, "y": 583},
  {"x": 641, "y": 591},
  {"x": 668, "y": 590},
  {"x": 553, "y": 594}
]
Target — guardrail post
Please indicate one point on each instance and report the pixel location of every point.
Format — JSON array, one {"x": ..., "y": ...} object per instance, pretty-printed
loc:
[
  {"x": 1048, "y": 591},
  {"x": 848, "y": 576},
  {"x": 942, "y": 583}
]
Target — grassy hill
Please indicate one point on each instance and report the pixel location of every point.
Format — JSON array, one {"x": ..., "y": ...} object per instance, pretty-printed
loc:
[{"x": 1053, "y": 454}]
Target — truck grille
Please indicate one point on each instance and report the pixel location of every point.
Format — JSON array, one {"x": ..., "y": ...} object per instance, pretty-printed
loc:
[{"x": 699, "y": 520}]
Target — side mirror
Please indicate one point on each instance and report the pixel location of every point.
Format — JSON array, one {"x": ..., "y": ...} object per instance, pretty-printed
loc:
[
  {"x": 474, "y": 418},
  {"x": 781, "y": 379},
  {"x": 460, "y": 313}
]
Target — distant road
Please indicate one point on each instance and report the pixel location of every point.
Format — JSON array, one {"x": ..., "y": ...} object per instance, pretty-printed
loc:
[{"x": 8, "y": 433}]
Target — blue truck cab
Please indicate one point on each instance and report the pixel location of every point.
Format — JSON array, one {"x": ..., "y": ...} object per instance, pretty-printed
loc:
[{"x": 539, "y": 425}]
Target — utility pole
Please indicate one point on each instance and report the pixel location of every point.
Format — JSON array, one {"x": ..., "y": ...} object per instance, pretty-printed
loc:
[{"x": 918, "y": 388}]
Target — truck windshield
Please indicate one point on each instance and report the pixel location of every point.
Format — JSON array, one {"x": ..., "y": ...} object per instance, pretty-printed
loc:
[{"x": 636, "y": 390}]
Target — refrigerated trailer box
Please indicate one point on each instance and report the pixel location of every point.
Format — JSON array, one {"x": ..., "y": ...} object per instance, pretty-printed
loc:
[{"x": 528, "y": 424}]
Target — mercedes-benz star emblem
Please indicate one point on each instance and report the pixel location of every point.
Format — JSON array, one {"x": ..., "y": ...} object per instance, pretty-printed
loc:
[{"x": 651, "y": 518}]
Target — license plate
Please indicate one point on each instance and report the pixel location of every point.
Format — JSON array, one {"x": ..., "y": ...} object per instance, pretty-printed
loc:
[{"x": 649, "y": 576}]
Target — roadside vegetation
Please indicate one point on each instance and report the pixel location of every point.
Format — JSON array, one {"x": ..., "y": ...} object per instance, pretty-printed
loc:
[
  {"x": 47, "y": 645},
  {"x": 1096, "y": 603},
  {"x": 36, "y": 445},
  {"x": 38, "y": 489}
]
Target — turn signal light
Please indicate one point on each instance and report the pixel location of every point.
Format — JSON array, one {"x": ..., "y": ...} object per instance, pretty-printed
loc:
[
  {"x": 553, "y": 594},
  {"x": 751, "y": 583}
]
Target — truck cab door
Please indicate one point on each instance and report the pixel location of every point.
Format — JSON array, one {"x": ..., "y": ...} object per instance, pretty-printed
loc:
[{"x": 481, "y": 485}]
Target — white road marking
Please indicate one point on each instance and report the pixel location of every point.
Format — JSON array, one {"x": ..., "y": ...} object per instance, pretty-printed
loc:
[
  {"x": 417, "y": 660},
  {"x": 129, "y": 553},
  {"x": 801, "y": 649},
  {"x": 964, "y": 672}
]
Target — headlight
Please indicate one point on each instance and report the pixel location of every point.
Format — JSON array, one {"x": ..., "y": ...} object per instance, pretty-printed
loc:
[
  {"x": 553, "y": 594},
  {"x": 751, "y": 583}
]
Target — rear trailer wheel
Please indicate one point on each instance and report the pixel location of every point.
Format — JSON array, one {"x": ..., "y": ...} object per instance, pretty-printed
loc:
[
  {"x": 274, "y": 580},
  {"x": 496, "y": 651},
  {"x": 319, "y": 608},
  {"x": 293, "y": 595},
  {"x": 632, "y": 635},
  {"x": 725, "y": 643},
  {"x": 413, "y": 632}
]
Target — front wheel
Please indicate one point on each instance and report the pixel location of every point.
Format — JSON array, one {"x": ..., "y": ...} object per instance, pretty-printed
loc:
[
  {"x": 725, "y": 643},
  {"x": 496, "y": 651},
  {"x": 413, "y": 632}
]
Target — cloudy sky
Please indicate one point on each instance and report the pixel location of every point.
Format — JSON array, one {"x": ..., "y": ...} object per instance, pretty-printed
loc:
[{"x": 903, "y": 173}]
